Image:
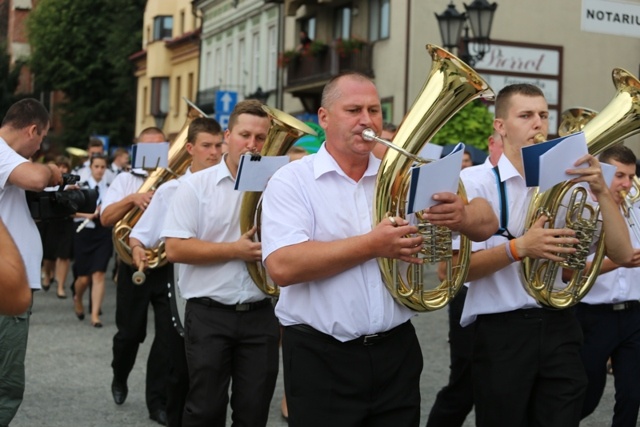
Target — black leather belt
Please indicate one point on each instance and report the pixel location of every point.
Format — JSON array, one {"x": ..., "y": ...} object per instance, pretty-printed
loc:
[
  {"x": 527, "y": 313},
  {"x": 247, "y": 306},
  {"x": 619, "y": 306},
  {"x": 363, "y": 340}
]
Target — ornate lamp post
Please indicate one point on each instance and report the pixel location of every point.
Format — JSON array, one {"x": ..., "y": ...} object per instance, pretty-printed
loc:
[{"x": 478, "y": 16}]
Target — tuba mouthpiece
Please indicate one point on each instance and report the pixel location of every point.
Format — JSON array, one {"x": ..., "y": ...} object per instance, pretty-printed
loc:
[
  {"x": 539, "y": 138},
  {"x": 368, "y": 134}
]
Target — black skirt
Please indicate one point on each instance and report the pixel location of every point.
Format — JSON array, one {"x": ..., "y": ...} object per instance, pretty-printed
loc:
[{"x": 93, "y": 248}]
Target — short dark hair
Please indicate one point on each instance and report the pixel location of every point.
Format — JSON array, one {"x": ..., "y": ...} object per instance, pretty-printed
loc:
[
  {"x": 619, "y": 153},
  {"x": 152, "y": 130},
  {"x": 504, "y": 96},
  {"x": 248, "y": 106},
  {"x": 97, "y": 156},
  {"x": 27, "y": 112},
  {"x": 329, "y": 92},
  {"x": 95, "y": 142},
  {"x": 203, "y": 125}
]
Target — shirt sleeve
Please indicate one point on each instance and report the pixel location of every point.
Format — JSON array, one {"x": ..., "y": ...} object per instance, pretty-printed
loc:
[
  {"x": 116, "y": 192},
  {"x": 287, "y": 216},
  {"x": 149, "y": 225},
  {"x": 9, "y": 160},
  {"x": 183, "y": 215}
]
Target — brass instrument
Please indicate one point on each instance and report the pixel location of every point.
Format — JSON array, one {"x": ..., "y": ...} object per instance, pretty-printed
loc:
[
  {"x": 178, "y": 162},
  {"x": 283, "y": 133},
  {"x": 628, "y": 200},
  {"x": 450, "y": 86},
  {"x": 574, "y": 120},
  {"x": 618, "y": 120}
]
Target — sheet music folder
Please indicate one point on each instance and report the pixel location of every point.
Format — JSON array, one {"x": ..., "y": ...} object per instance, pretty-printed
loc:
[
  {"x": 436, "y": 177},
  {"x": 254, "y": 171}
]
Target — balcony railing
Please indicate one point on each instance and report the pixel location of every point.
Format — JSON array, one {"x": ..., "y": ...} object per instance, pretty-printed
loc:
[{"x": 307, "y": 69}]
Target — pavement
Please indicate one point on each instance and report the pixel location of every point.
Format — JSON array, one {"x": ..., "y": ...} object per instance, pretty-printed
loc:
[{"x": 69, "y": 375}]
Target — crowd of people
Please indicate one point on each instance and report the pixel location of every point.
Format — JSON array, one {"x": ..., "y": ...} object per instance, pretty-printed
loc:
[{"x": 350, "y": 353}]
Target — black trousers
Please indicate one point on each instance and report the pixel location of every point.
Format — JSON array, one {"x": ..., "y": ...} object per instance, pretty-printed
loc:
[
  {"x": 455, "y": 400},
  {"x": 132, "y": 304},
  {"x": 178, "y": 381},
  {"x": 616, "y": 334},
  {"x": 330, "y": 383},
  {"x": 223, "y": 346},
  {"x": 527, "y": 369}
]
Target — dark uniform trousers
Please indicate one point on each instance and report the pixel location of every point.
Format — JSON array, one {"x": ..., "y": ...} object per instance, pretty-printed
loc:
[
  {"x": 612, "y": 330},
  {"x": 230, "y": 343},
  {"x": 365, "y": 382},
  {"x": 527, "y": 370},
  {"x": 454, "y": 402},
  {"x": 132, "y": 304}
]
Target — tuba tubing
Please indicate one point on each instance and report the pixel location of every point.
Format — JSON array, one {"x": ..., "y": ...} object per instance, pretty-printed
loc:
[
  {"x": 178, "y": 162},
  {"x": 285, "y": 130},
  {"x": 617, "y": 121},
  {"x": 450, "y": 85}
]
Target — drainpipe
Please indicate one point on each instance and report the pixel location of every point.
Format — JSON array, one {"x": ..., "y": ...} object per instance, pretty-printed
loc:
[{"x": 406, "y": 59}]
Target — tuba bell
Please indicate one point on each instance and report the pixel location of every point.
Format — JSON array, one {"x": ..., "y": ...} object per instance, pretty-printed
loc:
[
  {"x": 178, "y": 162},
  {"x": 574, "y": 119},
  {"x": 283, "y": 133},
  {"x": 450, "y": 86},
  {"x": 618, "y": 120}
]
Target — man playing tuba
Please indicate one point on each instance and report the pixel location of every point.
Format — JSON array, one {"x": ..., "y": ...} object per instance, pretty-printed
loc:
[{"x": 527, "y": 368}]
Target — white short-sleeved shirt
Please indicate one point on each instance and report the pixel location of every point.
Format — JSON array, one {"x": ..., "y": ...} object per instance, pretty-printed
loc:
[
  {"x": 618, "y": 285},
  {"x": 15, "y": 214},
  {"x": 148, "y": 229},
  {"x": 504, "y": 290},
  {"x": 206, "y": 207},
  {"x": 312, "y": 199},
  {"x": 124, "y": 184}
]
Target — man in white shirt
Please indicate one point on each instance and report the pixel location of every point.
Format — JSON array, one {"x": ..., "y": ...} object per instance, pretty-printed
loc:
[
  {"x": 204, "y": 144},
  {"x": 231, "y": 332},
  {"x": 23, "y": 128},
  {"x": 132, "y": 301},
  {"x": 351, "y": 355},
  {"x": 455, "y": 400},
  {"x": 526, "y": 363},
  {"x": 610, "y": 314}
]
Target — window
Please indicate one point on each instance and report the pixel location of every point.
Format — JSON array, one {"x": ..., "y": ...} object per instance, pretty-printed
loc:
[
  {"x": 309, "y": 25},
  {"x": 182, "y": 22},
  {"x": 159, "y": 96},
  {"x": 272, "y": 57},
  {"x": 228, "y": 60},
  {"x": 342, "y": 23},
  {"x": 379, "y": 20},
  {"x": 255, "y": 68},
  {"x": 145, "y": 105},
  {"x": 190, "y": 94},
  {"x": 242, "y": 62},
  {"x": 162, "y": 27}
]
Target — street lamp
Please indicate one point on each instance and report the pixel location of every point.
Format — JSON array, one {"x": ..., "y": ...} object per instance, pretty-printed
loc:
[
  {"x": 259, "y": 95},
  {"x": 451, "y": 22},
  {"x": 160, "y": 117}
]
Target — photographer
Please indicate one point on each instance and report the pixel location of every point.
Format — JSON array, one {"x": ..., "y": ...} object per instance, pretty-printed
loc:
[{"x": 23, "y": 128}]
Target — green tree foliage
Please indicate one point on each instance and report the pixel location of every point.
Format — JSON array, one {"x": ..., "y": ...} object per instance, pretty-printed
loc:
[
  {"x": 9, "y": 78},
  {"x": 472, "y": 125},
  {"x": 81, "y": 48}
]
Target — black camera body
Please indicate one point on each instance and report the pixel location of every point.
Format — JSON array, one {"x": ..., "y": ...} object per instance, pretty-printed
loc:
[{"x": 48, "y": 205}]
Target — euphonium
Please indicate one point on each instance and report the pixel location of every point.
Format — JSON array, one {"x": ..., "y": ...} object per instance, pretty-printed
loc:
[
  {"x": 618, "y": 120},
  {"x": 284, "y": 131},
  {"x": 450, "y": 86},
  {"x": 178, "y": 162}
]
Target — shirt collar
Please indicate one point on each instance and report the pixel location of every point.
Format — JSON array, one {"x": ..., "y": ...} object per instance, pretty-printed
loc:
[
  {"x": 222, "y": 170},
  {"x": 324, "y": 162},
  {"x": 506, "y": 169}
]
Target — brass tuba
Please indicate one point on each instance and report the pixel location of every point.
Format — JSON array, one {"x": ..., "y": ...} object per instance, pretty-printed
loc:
[
  {"x": 618, "y": 120},
  {"x": 283, "y": 133},
  {"x": 450, "y": 86},
  {"x": 178, "y": 162},
  {"x": 574, "y": 119}
]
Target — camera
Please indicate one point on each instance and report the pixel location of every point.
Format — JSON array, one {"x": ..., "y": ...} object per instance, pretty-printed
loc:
[{"x": 48, "y": 205}]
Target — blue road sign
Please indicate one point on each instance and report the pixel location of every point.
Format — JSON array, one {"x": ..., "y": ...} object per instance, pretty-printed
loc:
[{"x": 225, "y": 103}]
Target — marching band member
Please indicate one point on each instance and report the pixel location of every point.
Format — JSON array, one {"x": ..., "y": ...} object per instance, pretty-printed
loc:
[
  {"x": 204, "y": 144},
  {"x": 351, "y": 355},
  {"x": 610, "y": 315},
  {"x": 132, "y": 301},
  {"x": 93, "y": 247},
  {"x": 231, "y": 332},
  {"x": 526, "y": 368}
]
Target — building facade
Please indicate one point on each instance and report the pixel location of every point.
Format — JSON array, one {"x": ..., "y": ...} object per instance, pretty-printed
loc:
[{"x": 167, "y": 65}]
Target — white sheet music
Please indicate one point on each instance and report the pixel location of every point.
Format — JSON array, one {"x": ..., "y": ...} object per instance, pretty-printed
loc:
[{"x": 254, "y": 172}]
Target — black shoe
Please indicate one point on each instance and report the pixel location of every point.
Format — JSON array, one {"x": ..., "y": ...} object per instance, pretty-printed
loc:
[
  {"x": 119, "y": 391},
  {"x": 159, "y": 416}
]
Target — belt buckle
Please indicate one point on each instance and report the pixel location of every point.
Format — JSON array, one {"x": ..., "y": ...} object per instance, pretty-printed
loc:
[
  {"x": 370, "y": 339},
  {"x": 620, "y": 306},
  {"x": 243, "y": 307}
]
